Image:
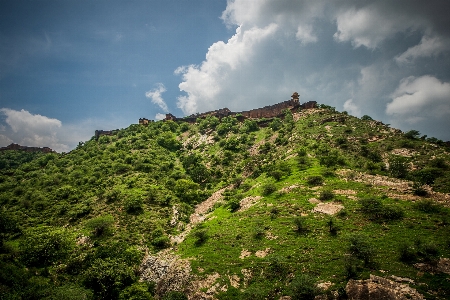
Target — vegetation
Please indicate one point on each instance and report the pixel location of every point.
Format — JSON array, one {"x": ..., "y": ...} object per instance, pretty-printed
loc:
[{"x": 77, "y": 225}]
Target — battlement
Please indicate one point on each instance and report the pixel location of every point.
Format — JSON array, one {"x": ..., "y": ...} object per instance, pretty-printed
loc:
[
  {"x": 99, "y": 133},
  {"x": 26, "y": 148},
  {"x": 270, "y": 111}
]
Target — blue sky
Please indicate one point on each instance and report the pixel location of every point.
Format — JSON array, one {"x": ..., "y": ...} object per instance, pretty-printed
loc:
[{"x": 69, "y": 67}]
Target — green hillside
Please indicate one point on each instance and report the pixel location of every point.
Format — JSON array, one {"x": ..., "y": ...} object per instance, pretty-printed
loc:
[{"x": 234, "y": 210}]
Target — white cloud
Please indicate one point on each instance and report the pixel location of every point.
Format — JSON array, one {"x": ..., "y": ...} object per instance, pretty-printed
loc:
[
  {"x": 429, "y": 46},
  {"x": 203, "y": 83},
  {"x": 352, "y": 108},
  {"x": 425, "y": 96},
  {"x": 159, "y": 116},
  {"x": 368, "y": 26},
  {"x": 4, "y": 140},
  {"x": 305, "y": 35},
  {"x": 155, "y": 96},
  {"x": 33, "y": 130}
]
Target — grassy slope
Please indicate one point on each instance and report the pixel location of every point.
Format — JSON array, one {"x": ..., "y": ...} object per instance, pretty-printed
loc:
[{"x": 145, "y": 166}]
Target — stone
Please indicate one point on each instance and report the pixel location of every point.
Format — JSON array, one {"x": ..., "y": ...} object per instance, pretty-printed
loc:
[{"x": 379, "y": 288}]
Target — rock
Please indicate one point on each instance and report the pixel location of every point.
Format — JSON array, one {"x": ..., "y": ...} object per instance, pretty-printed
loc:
[{"x": 379, "y": 288}]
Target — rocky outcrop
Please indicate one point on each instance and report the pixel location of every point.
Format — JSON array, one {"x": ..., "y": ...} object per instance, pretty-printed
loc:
[
  {"x": 169, "y": 272},
  {"x": 379, "y": 288}
]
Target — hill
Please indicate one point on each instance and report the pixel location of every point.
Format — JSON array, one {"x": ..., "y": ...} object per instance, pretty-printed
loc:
[{"x": 317, "y": 203}]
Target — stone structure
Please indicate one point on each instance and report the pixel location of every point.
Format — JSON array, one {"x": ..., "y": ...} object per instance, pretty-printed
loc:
[
  {"x": 270, "y": 111},
  {"x": 99, "y": 133},
  {"x": 27, "y": 149},
  {"x": 144, "y": 121}
]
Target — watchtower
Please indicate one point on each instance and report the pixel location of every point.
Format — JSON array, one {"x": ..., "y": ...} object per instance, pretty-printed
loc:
[{"x": 295, "y": 98}]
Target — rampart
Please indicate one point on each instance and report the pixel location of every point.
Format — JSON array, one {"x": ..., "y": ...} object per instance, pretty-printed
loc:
[
  {"x": 270, "y": 111},
  {"x": 99, "y": 133},
  {"x": 26, "y": 148}
]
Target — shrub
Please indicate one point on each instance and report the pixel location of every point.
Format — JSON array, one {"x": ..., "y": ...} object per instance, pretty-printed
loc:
[
  {"x": 258, "y": 231},
  {"x": 268, "y": 189},
  {"x": 108, "y": 277},
  {"x": 44, "y": 245},
  {"x": 234, "y": 204},
  {"x": 408, "y": 253},
  {"x": 398, "y": 166},
  {"x": 133, "y": 205},
  {"x": 332, "y": 226},
  {"x": 174, "y": 295},
  {"x": 428, "y": 206},
  {"x": 375, "y": 210},
  {"x": 303, "y": 287},
  {"x": 300, "y": 224},
  {"x": 360, "y": 248},
  {"x": 276, "y": 268},
  {"x": 326, "y": 194},
  {"x": 137, "y": 291},
  {"x": 101, "y": 225},
  {"x": 314, "y": 180},
  {"x": 201, "y": 236}
]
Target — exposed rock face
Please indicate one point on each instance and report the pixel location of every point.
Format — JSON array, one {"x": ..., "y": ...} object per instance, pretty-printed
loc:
[
  {"x": 379, "y": 288},
  {"x": 168, "y": 272}
]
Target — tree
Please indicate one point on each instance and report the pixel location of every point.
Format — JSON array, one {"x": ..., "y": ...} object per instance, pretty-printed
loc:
[
  {"x": 412, "y": 134},
  {"x": 44, "y": 245}
]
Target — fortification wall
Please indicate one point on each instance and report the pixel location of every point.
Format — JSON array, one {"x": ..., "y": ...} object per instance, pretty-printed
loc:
[{"x": 26, "y": 148}]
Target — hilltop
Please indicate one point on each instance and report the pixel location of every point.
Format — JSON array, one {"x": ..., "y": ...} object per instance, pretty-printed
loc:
[{"x": 308, "y": 203}]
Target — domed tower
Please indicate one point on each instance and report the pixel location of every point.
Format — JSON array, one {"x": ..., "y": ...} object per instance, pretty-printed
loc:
[{"x": 295, "y": 99}]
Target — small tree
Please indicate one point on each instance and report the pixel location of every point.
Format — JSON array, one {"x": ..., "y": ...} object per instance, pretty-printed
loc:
[{"x": 101, "y": 226}]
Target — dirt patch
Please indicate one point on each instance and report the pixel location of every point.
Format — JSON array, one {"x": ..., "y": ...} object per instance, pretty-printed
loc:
[
  {"x": 396, "y": 188},
  {"x": 270, "y": 236},
  {"x": 245, "y": 253},
  {"x": 345, "y": 192},
  {"x": 209, "y": 284},
  {"x": 328, "y": 208},
  {"x": 247, "y": 275},
  {"x": 443, "y": 266},
  {"x": 199, "y": 215},
  {"x": 289, "y": 188},
  {"x": 403, "y": 152},
  {"x": 380, "y": 288},
  {"x": 262, "y": 253},
  {"x": 248, "y": 202},
  {"x": 314, "y": 201},
  {"x": 234, "y": 280}
]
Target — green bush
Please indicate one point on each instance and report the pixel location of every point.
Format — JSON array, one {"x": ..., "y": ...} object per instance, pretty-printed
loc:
[
  {"x": 108, "y": 277},
  {"x": 174, "y": 295},
  {"x": 201, "y": 236},
  {"x": 375, "y": 210},
  {"x": 303, "y": 287},
  {"x": 268, "y": 189},
  {"x": 133, "y": 205},
  {"x": 43, "y": 246},
  {"x": 428, "y": 206},
  {"x": 314, "y": 180},
  {"x": 398, "y": 166},
  {"x": 360, "y": 248},
  {"x": 137, "y": 291},
  {"x": 300, "y": 224},
  {"x": 234, "y": 204},
  {"x": 276, "y": 268},
  {"x": 100, "y": 226},
  {"x": 326, "y": 194}
]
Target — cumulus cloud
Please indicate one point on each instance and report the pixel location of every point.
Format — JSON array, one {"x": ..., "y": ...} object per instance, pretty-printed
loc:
[
  {"x": 32, "y": 130},
  {"x": 425, "y": 96},
  {"x": 203, "y": 83},
  {"x": 155, "y": 96},
  {"x": 347, "y": 54},
  {"x": 428, "y": 46},
  {"x": 351, "y": 107},
  {"x": 159, "y": 116},
  {"x": 368, "y": 26}
]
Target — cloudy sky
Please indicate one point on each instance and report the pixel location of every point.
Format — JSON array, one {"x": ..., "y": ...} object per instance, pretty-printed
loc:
[{"x": 69, "y": 67}]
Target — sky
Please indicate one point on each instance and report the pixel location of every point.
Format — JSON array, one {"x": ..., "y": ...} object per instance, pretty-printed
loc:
[{"x": 70, "y": 67}]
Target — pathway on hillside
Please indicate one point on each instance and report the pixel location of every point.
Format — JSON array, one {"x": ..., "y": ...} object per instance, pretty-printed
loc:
[{"x": 199, "y": 215}]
